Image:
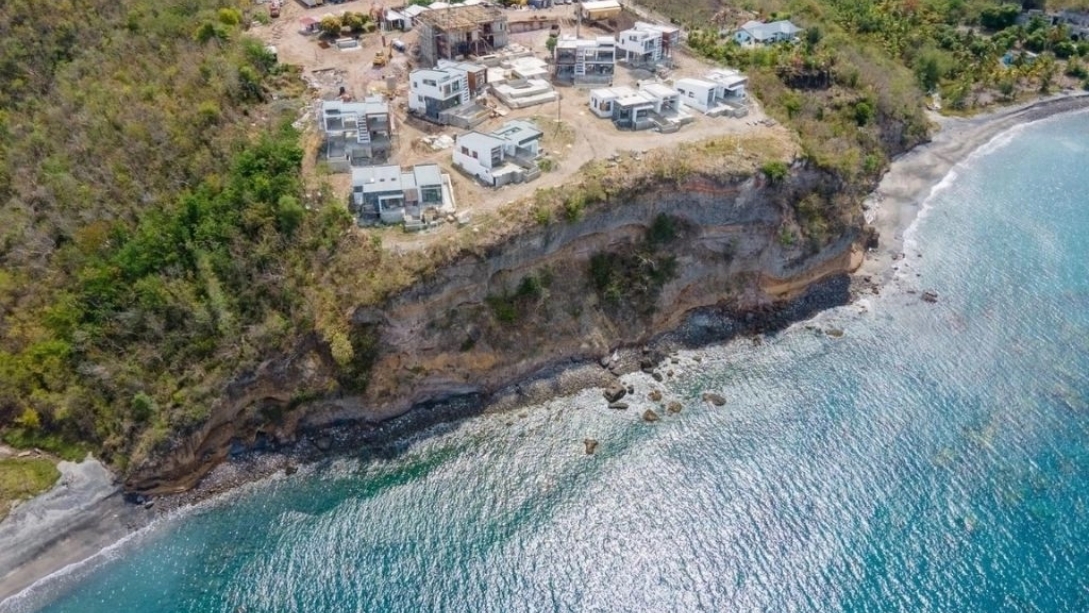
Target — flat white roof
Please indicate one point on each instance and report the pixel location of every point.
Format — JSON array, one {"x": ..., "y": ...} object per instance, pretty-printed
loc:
[
  {"x": 727, "y": 77},
  {"x": 696, "y": 83},
  {"x": 596, "y": 5},
  {"x": 570, "y": 42},
  {"x": 476, "y": 140},
  {"x": 622, "y": 95},
  {"x": 658, "y": 90},
  {"x": 655, "y": 27},
  {"x": 606, "y": 93}
]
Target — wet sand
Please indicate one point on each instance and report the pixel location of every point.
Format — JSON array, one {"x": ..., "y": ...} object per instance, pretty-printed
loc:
[
  {"x": 82, "y": 514},
  {"x": 896, "y": 202}
]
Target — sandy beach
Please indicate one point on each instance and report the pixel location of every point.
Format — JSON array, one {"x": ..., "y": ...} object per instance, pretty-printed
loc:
[
  {"x": 82, "y": 514},
  {"x": 85, "y": 512},
  {"x": 899, "y": 197}
]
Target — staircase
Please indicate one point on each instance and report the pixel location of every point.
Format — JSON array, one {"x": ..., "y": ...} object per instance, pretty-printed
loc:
[{"x": 362, "y": 134}]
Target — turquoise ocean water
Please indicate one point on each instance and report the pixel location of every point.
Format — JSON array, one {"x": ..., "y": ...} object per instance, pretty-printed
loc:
[{"x": 934, "y": 458}]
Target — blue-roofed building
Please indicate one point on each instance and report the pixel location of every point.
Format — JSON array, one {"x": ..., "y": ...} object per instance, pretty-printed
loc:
[{"x": 760, "y": 33}]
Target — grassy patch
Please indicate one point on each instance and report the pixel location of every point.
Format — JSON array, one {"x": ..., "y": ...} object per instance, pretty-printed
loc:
[
  {"x": 54, "y": 443},
  {"x": 22, "y": 478}
]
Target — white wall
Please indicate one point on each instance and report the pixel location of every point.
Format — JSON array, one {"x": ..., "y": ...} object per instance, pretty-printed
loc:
[{"x": 472, "y": 165}]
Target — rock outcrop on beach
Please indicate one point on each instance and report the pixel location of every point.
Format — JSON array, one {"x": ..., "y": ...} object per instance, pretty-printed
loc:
[{"x": 701, "y": 260}]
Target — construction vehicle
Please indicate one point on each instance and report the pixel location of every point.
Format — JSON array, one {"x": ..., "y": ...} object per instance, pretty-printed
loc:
[{"x": 380, "y": 58}]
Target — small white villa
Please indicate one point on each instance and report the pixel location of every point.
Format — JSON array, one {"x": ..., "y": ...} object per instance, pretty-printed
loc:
[
  {"x": 760, "y": 33},
  {"x": 647, "y": 43},
  {"x": 391, "y": 195},
  {"x": 722, "y": 92},
  {"x": 732, "y": 84},
  {"x": 506, "y": 155},
  {"x": 444, "y": 94}
]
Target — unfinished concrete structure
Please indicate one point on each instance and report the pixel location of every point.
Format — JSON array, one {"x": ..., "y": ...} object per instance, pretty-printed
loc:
[
  {"x": 355, "y": 133},
  {"x": 460, "y": 31},
  {"x": 585, "y": 61}
]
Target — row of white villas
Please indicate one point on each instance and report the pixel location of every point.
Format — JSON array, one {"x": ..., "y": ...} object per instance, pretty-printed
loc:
[
  {"x": 507, "y": 155},
  {"x": 391, "y": 195},
  {"x": 652, "y": 105},
  {"x": 356, "y": 133},
  {"x": 655, "y": 105},
  {"x": 647, "y": 44}
]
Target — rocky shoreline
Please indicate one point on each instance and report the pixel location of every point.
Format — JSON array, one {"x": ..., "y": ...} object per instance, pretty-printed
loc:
[
  {"x": 891, "y": 210},
  {"x": 363, "y": 440}
]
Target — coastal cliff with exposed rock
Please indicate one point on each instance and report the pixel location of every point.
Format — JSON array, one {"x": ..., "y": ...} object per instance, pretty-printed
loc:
[{"x": 626, "y": 272}]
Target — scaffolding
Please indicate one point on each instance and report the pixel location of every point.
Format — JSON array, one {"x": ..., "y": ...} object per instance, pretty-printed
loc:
[{"x": 460, "y": 31}]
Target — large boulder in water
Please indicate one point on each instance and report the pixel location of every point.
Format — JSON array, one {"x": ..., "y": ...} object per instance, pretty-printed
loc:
[
  {"x": 615, "y": 392},
  {"x": 715, "y": 399},
  {"x": 591, "y": 445},
  {"x": 650, "y": 416}
]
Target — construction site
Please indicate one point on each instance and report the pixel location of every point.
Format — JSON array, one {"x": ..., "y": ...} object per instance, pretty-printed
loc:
[
  {"x": 458, "y": 32},
  {"x": 572, "y": 133}
]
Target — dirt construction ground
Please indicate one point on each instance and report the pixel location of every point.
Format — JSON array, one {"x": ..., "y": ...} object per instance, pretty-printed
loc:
[{"x": 573, "y": 135}]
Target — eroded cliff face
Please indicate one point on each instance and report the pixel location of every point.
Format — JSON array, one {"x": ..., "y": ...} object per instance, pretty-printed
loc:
[{"x": 623, "y": 274}]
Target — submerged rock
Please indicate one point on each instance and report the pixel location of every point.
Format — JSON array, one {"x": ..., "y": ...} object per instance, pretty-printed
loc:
[
  {"x": 650, "y": 416},
  {"x": 291, "y": 469},
  {"x": 615, "y": 392},
  {"x": 715, "y": 399},
  {"x": 657, "y": 376},
  {"x": 591, "y": 445},
  {"x": 323, "y": 443},
  {"x": 834, "y": 332},
  {"x": 654, "y": 396},
  {"x": 619, "y": 406},
  {"x": 674, "y": 407},
  {"x": 930, "y": 296}
]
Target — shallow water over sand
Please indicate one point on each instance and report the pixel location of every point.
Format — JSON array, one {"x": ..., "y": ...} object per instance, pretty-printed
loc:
[{"x": 933, "y": 458}]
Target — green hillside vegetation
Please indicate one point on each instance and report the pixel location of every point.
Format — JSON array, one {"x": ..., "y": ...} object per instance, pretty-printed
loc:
[
  {"x": 856, "y": 85},
  {"x": 156, "y": 235}
]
